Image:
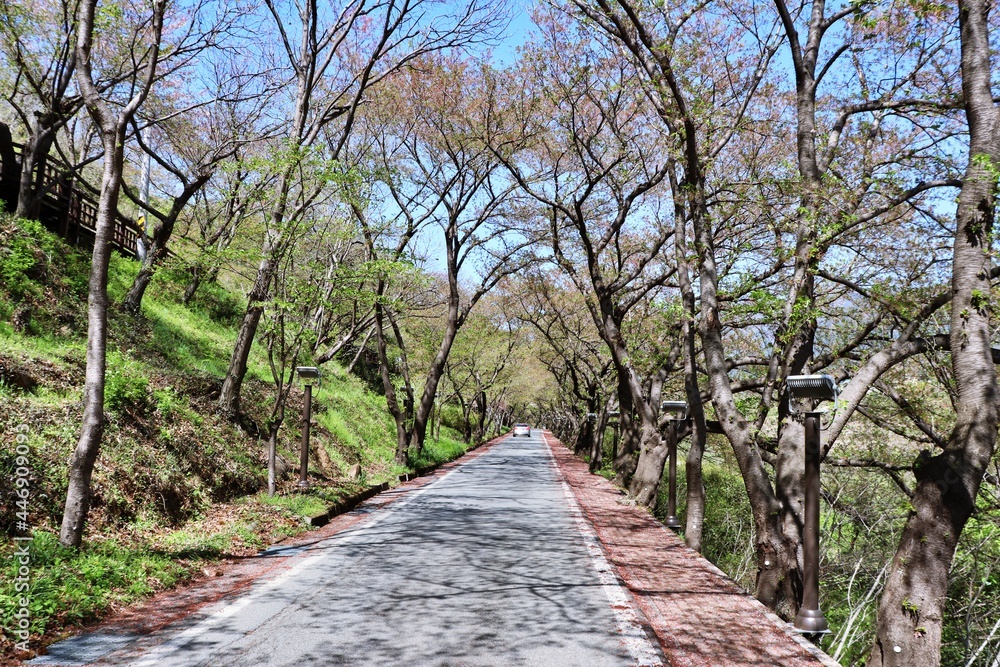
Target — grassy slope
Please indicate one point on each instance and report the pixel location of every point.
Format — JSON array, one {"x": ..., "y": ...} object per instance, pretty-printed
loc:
[{"x": 175, "y": 484}]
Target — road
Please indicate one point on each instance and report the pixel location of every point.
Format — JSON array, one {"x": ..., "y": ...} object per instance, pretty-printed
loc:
[{"x": 491, "y": 564}]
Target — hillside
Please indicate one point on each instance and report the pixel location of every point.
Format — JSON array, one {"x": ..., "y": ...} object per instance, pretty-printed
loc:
[{"x": 176, "y": 485}]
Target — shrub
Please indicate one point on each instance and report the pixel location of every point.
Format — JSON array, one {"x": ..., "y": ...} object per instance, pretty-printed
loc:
[{"x": 126, "y": 387}]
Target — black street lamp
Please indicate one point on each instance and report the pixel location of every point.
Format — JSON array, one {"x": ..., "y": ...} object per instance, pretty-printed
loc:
[
  {"x": 308, "y": 374},
  {"x": 613, "y": 418},
  {"x": 810, "y": 619},
  {"x": 678, "y": 413}
]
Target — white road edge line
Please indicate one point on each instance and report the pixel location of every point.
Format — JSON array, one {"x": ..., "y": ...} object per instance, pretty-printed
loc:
[
  {"x": 635, "y": 639},
  {"x": 157, "y": 653}
]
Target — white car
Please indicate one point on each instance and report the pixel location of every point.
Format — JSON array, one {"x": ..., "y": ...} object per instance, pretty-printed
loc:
[{"x": 522, "y": 429}]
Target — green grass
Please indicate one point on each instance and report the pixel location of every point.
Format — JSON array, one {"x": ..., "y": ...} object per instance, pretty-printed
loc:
[
  {"x": 304, "y": 505},
  {"x": 448, "y": 448},
  {"x": 69, "y": 586},
  {"x": 359, "y": 427}
]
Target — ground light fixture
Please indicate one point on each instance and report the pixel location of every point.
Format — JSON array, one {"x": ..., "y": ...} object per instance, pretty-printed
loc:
[
  {"x": 678, "y": 413},
  {"x": 309, "y": 375},
  {"x": 810, "y": 619}
]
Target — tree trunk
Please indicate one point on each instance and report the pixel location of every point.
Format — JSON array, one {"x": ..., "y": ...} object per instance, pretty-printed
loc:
[
  {"x": 452, "y": 325},
  {"x": 158, "y": 245},
  {"x": 274, "y": 425},
  {"x": 81, "y": 467},
  {"x": 598, "y": 428},
  {"x": 779, "y": 573},
  {"x": 229, "y": 397},
  {"x": 585, "y": 438},
  {"x": 911, "y": 611},
  {"x": 33, "y": 158},
  {"x": 11, "y": 170},
  {"x": 649, "y": 470},
  {"x": 193, "y": 286},
  {"x": 466, "y": 420},
  {"x": 695, "y": 505},
  {"x": 694, "y": 521},
  {"x": 272, "y": 456},
  {"x": 402, "y": 437},
  {"x": 132, "y": 303},
  {"x": 628, "y": 445},
  {"x": 779, "y": 582},
  {"x": 112, "y": 131},
  {"x": 481, "y": 426},
  {"x": 596, "y": 445}
]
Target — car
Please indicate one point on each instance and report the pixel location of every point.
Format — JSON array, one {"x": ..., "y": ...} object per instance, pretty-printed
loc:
[{"x": 522, "y": 429}]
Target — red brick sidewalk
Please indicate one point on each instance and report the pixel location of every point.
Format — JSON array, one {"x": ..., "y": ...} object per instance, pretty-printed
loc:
[{"x": 701, "y": 617}]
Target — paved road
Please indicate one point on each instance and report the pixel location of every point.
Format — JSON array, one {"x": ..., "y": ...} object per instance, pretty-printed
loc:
[{"x": 489, "y": 565}]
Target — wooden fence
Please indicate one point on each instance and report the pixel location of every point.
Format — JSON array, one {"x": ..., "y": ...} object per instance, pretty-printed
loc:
[{"x": 71, "y": 212}]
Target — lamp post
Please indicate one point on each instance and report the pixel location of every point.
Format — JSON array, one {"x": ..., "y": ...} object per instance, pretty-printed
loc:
[
  {"x": 678, "y": 413},
  {"x": 810, "y": 619},
  {"x": 595, "y": 445},
  {"x": 613, "y": 418},
  {"x": 307, "y": 374}
]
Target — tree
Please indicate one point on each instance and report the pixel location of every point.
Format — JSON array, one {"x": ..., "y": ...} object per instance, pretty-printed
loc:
[
  {"x": 303, "y": 285},
  {"x": 187, "y": 136},
  {"x": 911, "y": 611},
  {"x": 341, "y": 52},
  {"x": 112, "y": 122},
  {"x": 832, "y": 211},
  {"x": 480, "y": 363},
  {"x": 591, "y": 162},
  {"x": 38, "y": 41},
  {"x": 224, "y": 206},
  {"x": 441, "y": 175},
  {"x": 573, "y": 352}
]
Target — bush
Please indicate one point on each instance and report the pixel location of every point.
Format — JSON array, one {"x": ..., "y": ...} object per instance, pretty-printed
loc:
[
  {"x": 126, "y": 388},
  {"x": 220, "y": 305},
  {"x": 728, "y": 529},
  {"x": 25, "y": 249}
]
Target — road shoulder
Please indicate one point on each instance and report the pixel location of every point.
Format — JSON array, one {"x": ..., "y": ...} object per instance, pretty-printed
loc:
[{"x": 700, "y": 616}]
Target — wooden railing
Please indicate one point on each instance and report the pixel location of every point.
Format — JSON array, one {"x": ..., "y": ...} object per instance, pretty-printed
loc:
[{"x": 71, "y": 212}]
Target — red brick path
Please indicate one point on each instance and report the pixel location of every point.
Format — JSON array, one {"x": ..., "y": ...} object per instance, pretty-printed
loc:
[{"x": 701, "y": 617}]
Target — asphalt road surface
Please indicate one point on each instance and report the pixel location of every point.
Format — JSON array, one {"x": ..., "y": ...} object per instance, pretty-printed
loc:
[{"x": 489, "y": 565}]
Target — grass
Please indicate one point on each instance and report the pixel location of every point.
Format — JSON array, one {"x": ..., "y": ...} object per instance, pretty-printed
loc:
[
  {"x": 71, "y": 586},
  {"x": 304, "y": 505},
  {"x": 447, "y": 448}
]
